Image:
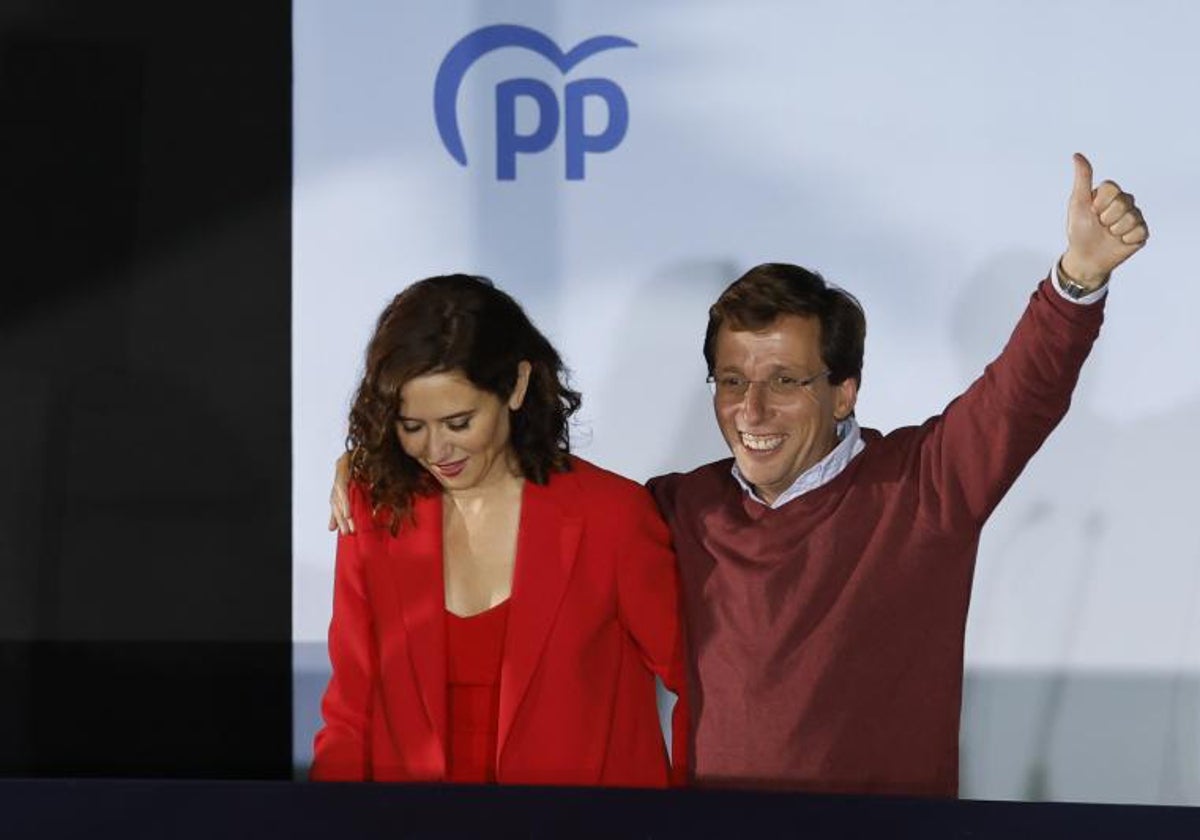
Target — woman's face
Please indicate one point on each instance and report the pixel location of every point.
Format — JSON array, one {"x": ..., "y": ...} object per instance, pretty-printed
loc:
[{"x": 458, "y": 432}]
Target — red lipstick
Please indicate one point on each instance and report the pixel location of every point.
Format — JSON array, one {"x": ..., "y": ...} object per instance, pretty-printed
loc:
[{"x": 451, "y": 469}]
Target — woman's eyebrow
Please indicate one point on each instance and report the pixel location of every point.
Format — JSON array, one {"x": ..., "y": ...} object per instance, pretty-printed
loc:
[{"x": 458, "y": 415}]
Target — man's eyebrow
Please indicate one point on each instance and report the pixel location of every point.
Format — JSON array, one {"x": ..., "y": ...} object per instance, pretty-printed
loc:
[
  {"x": 458, "y": 415},
  {"x": 786, "y": 367}
]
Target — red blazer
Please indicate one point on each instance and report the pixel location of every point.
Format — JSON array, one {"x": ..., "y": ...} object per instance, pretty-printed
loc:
[{"x": 594, "y": 617}]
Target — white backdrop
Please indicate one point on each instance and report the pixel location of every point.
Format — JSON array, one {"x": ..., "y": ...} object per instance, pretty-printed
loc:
[{"x": 917, "y": 154}]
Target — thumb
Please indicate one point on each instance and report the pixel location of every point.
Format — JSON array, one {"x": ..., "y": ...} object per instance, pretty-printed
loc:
[{"x": 1081, "y": 191}]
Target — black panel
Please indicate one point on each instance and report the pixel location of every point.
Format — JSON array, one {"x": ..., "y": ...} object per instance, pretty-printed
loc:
[
  {"x": 273, "y": 809},
  {"x": 145, "y": 583}
]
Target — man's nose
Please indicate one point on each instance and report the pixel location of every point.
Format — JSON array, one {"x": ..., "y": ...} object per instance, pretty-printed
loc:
[{"x": 754, "y": 403}]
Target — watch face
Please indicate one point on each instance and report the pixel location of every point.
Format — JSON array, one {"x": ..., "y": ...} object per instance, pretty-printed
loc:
[{"x": 1072, "y": 289}]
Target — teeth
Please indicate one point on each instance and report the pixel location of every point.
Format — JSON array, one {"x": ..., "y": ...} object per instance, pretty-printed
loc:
[{"x": 761, "y": 443}]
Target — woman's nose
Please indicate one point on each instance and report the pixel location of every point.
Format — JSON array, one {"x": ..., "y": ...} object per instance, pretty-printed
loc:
[{"x": 437, "y": 447}]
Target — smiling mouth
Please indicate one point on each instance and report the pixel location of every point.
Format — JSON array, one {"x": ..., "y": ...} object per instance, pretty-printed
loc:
[
  {"x": 452, "y": 468},
  {"x": 761, "y": 443}
]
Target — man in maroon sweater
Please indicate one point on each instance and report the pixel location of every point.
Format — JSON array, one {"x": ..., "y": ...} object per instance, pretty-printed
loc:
[{"x": 827, "y": 568}]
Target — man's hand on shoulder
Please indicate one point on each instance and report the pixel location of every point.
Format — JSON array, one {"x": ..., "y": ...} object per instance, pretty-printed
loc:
[
  {"x": 1104, "y": 228},
  {"x": 339, "y": 497}
]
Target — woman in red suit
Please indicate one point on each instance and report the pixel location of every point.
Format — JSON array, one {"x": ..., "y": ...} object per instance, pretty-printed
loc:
[{"x": 503, "y": 607}]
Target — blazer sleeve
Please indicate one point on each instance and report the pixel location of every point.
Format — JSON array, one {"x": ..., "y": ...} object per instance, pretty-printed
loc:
[
  {"x": 650, "y": 608},
  {"x": 342, "y": 749}
]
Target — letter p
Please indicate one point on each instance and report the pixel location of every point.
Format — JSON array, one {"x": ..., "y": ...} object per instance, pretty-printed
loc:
[
  {"x": 580, "y": 143},
  {"x": 508, "y": 142}
]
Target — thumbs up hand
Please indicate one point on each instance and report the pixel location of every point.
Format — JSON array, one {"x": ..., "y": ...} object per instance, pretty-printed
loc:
[{"x": 1104, "y": 228}]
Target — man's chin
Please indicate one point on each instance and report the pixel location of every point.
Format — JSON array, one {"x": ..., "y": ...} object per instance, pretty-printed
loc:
[{"x": 757, "y": 473}]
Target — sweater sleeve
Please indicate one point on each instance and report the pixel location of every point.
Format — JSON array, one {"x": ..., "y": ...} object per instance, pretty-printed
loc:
[
  {"x": 970, "y": 455},
  {"x": 649, "y": 606},
  {"x": 341, "y": 750}
]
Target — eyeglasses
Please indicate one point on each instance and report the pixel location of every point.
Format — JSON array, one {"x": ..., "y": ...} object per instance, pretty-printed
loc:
[{"x": 732, "y": 386}]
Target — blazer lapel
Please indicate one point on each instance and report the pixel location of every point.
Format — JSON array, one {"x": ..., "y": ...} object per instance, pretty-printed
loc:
[
  {"x": 416, "y": 555},
  {"x": 547, "y": 543}
]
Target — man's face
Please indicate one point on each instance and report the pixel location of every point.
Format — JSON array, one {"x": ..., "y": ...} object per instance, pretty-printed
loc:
[{"x": 776, "y": 436}]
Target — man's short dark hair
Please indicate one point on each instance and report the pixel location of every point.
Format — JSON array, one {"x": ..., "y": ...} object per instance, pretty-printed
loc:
[{"x": 767, "y": 291}]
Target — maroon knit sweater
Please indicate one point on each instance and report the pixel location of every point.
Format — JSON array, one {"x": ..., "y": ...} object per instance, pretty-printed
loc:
[{"x": 827, "y": 635}]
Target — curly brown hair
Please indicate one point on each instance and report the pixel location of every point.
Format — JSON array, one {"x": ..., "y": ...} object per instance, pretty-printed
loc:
[{"x": 462, "y": 323}]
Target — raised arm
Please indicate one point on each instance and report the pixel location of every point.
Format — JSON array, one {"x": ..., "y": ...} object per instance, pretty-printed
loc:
[{"x": 972, "y": 453}]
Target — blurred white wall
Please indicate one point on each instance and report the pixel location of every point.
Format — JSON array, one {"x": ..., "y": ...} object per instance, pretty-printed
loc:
[{"x": 917, "y": 154}]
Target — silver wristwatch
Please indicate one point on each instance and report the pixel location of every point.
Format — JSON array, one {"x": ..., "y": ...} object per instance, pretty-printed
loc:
[{"x": 1072, "y": 289}]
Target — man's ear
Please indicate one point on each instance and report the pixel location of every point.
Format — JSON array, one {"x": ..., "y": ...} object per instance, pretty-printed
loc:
[
  {"x": 845, "y": 395},
  {"x": 517, "y": 398}
]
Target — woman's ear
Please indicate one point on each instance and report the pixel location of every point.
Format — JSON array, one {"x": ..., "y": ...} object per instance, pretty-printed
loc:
[{"x": 517, "y": 398}]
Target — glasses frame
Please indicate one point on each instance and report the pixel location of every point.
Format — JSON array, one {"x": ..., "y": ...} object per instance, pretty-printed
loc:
[{"x": 772, "y": 389}]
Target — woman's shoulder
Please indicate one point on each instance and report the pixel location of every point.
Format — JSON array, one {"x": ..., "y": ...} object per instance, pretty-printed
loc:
[
  {"x": 362, "y": 509},
  {"x": 598, "y": 483},
  {"x": 369, "y": 516},
  {"x": 360, "y": 497}
]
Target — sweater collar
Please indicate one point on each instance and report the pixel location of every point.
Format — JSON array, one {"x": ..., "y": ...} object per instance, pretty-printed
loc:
[{"x": 849, "y": 444}]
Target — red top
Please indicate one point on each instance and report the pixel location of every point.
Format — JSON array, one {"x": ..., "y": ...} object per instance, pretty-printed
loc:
[
  {"x": 474, "y": 646},
  {"x": 594, "y": 618}
]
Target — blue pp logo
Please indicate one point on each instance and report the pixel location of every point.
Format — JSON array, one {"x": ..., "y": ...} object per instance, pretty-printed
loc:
[{"x": 509, "y": 143}]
